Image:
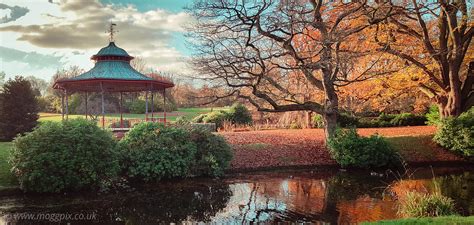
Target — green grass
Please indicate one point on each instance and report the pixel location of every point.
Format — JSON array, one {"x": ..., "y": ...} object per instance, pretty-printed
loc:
[
  {"x": 407, "y": 145},
  {"x": 186, "y": 112},
  {"x": 6, "y": 178},
  {"x": 256, "y": 146},
  {"x": 428, "y": 220}
]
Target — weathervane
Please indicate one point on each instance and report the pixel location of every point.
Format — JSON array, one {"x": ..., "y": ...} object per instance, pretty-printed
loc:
[{"x": 111, "y": 31}]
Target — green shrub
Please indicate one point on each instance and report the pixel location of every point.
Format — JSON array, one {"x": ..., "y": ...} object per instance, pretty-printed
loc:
[
  {"x": 152, "y": 151},
  {"x": 181, "y": 120},
  {"x": 239, "y": 114},
  {"x": 317, "y": 121},
  {"x": 211, "y": 127},
  {"x": 457, "y": 134},
  {"x": 67, "y": 156},
  {"x": 368, "y": 123},
  {"x": 417, "y": 204},
  {"x": 213, "y": 153},
  {"x": 350, "y": 149},
  {"x": 137, "y": 106},
  {"x": 408, "y": 119},
  {"x": 199, "y": 118},
  {"x": 433, "y": 116},
  {"x": 386, "y": 117},
  {"x": 347, "y": 120},
  {"x": 217, "y": 117}
]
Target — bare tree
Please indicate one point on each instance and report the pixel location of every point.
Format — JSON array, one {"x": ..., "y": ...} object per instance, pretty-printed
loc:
[
  {"x": 259, "y": 50},
  {"x": 435, "y": 36},
  {"x": 139, "y": 64},
  {"x": 64, "y": 73}
]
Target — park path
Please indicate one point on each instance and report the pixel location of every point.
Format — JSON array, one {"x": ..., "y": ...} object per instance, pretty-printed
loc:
[{"x": 305, "y": 147}]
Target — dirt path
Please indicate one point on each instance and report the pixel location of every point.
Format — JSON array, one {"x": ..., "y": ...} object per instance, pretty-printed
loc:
[{"x": 305, "y": 147}]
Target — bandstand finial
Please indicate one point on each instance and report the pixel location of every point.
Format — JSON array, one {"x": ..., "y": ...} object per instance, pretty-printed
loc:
[{"x": 111, "y": 31}]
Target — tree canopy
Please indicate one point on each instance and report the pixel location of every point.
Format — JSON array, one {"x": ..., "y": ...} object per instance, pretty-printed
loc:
[{"x": 18, "y": 108}]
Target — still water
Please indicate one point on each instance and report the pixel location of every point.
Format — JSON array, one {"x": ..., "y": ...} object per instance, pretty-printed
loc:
[{"x": 335, "y": 197}]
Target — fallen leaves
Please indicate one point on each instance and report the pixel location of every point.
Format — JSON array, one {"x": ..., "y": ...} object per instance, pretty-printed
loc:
[{"x": 306, "y": 147}]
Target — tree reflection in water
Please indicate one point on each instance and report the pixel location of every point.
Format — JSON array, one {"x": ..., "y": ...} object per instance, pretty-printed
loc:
[
  {"x": 295, "y": 196},
  {"x": 161, "y": 204}
]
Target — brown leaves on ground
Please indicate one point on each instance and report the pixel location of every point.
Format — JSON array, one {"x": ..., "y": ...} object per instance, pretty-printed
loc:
[{"x": 306, "y": 147}]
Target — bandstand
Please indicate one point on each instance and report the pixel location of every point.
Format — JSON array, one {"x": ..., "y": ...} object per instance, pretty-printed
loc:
[{"x": 112, "y": 73}]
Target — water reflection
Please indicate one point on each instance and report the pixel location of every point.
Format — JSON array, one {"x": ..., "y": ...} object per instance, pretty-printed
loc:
[{"x": 295, "y": 196}]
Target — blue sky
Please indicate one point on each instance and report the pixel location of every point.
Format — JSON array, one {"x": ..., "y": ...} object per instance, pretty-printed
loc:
[
  {"x": 145, "y": 5},
  {"x": 38, "y": 37}
]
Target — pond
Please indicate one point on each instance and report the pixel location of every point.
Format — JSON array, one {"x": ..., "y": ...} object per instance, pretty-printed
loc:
[{"x": 330, "y": 196}]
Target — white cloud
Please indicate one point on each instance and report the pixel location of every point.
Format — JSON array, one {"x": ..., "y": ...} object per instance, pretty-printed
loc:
[{"x": 75, "y": 30}]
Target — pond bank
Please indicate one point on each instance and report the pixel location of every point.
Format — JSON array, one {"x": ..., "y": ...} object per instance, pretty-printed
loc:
[{"x": 301, "y": 148}]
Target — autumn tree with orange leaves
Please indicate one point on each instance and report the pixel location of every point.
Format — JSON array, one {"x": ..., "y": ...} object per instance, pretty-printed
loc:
[
  {"x": 287, "y": 55},
  {"x": 434, "y": 38}
]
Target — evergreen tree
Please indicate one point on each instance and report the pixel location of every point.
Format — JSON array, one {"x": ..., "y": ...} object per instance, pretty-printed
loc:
[{"x": 18, "y": 108}]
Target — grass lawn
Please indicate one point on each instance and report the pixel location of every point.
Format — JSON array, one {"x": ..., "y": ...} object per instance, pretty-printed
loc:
[
  {"x": 428, "y": 220},
  {"x": 6, "y": 178},
  {"x": 186, "y": 112},
  {"x": 405, "y": 145},
  {"x": 420, "y": 148}
]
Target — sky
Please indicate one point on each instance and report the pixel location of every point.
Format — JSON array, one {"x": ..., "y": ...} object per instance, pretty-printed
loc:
[{"x": 38, "y": 37}]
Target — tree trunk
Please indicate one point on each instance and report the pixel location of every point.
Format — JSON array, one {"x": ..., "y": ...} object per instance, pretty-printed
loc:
[
  {"x": 330, "y": 108},
  {"x": 330, "y": 124},
  {"x": 449, "y": 105}
]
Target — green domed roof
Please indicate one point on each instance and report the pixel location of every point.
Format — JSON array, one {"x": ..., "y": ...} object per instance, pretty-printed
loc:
[
  {"x": 112, "y": 72},
  {"x": 112, "y": 50},
  {"x": 110, "y": 69}
]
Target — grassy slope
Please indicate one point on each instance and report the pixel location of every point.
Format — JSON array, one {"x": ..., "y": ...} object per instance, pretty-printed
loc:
[
  {"x": 434, "y": 220},
  {"x": 406, "y": 144},
  {"x": 6, "y": 178}
]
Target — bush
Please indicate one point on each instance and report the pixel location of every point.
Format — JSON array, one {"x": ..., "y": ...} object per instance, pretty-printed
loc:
[
  {"x": 371, "y": 123},
  {"x": 317, "y": 121},
  {"x": 211, "y": 127},
  {"x": 239, "y": 114},
  {"x": 213, "y": 153},
  {"x": 347, "y": 120},
  {"x": 418, "y": 204},
  {"x": 181, "y": 120},
  {"x": 408, "y": 119},
  {"x": 457, "y": 134},
  {"x": 350, "y": 149},
  {"x": 137, "y": 106},
  {"x": 152, "y": 151},
  {"x": 386, "y": 117},
  {"x": 217, "y": 117},
  {"x": 433, "y": 116},
  {"x": 67, "y": 156},
  {"x": 295, "y": 125},
  {"x": 199, "y": 118}
]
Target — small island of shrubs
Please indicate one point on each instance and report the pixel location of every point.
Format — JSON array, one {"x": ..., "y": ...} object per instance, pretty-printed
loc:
[{"x": 77, "y": 155}]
